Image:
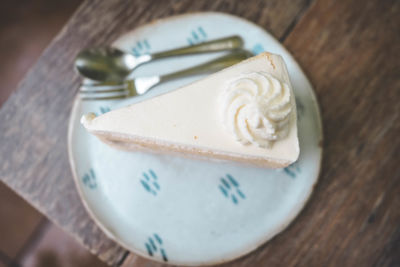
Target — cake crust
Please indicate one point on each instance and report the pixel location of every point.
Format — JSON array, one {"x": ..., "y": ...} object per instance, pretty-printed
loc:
[{"x": 129, "y": 143}]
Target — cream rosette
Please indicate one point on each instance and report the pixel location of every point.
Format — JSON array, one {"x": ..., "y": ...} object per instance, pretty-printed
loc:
[{"x": 256, "y": 109}]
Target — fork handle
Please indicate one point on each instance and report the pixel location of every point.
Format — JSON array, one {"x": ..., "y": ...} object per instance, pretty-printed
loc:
[
  {"x": 210, "y": 66},
  {"x": 228, "y": 43}
]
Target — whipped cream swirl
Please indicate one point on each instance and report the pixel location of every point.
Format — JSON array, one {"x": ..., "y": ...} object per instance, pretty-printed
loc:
[{"x": 257, "y": 108}]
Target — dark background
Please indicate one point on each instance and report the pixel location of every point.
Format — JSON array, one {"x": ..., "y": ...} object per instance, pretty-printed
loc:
[{"x": 27, "y": 238}]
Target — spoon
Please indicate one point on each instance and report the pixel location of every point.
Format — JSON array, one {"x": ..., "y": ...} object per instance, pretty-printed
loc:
[{"x": 112, "y": 64}]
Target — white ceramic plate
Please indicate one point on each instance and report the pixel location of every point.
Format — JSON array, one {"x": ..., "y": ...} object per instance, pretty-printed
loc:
[{"x": 184, "y": 211}]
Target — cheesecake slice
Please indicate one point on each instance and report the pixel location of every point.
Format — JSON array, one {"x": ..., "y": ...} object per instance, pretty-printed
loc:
[{"x": 244, "y": 113}]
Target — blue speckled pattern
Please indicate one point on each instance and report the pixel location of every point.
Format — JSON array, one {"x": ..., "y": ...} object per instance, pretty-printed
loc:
[
  {"x": 154, "y": 246},
  {"x": 230, "y": 188},
  {"x": 257, "y": 49},
  {"x": 196, "y": 36},
  {"x": 292, "y": 170},
  {"x": 141, "y": 47},
  {"x": 89, "y": 179},
  {"x": 149, "y": 182}
]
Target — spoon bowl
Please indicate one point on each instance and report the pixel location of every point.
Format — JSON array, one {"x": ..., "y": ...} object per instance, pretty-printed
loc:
[{"x": 105, "y": 64}]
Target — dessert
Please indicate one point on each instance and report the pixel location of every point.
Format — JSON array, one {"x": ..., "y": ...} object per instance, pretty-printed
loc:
[{"x": 244, "y": 113}]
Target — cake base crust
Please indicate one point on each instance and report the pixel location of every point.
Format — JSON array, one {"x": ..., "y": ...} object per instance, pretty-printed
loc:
[{"x": 128, "y": 143}]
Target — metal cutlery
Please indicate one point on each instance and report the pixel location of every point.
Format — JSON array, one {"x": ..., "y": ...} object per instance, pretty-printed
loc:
[
  {"x": 110, "y": 64},
  {"x": 109, "y": 90}
]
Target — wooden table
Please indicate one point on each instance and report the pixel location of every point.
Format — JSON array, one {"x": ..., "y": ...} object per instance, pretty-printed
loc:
[{"x": 350, "y": 51}]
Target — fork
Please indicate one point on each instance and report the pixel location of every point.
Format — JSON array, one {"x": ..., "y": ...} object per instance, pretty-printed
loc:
[{"x": 140, "y": 85}]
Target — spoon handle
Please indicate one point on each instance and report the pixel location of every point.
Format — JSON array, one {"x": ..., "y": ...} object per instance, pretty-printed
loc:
[
  {"x": 227, "y": 43},
  {"x": 210, "y": 66}
]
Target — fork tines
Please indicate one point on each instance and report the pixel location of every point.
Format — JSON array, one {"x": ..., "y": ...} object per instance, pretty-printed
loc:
[{"x": 103, "y": 91}]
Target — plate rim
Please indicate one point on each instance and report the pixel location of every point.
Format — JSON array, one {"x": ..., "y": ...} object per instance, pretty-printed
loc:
[{"x": 296, "y": 210}]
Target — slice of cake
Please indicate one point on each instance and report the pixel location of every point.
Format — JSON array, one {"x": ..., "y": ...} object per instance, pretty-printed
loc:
[{"x": 244, "y": 113}]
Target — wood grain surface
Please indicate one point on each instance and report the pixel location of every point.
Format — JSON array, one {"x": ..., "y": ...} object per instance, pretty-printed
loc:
[{"x": 349, "y": 49}]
